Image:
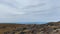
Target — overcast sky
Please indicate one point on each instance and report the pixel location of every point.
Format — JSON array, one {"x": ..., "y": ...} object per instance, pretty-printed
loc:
[{"x": 29, "y": 10}]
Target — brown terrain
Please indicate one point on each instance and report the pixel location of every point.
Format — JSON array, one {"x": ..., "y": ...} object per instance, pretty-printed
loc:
[{"x": 49, "y": 28}]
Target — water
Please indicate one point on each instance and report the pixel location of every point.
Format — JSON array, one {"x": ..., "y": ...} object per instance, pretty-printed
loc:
[
  {"x": 32, "y": 23},
  {"x": 26, "y": 23}
]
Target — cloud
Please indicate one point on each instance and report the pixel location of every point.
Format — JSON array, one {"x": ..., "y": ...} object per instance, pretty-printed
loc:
[{"x": 29, "y": 10}]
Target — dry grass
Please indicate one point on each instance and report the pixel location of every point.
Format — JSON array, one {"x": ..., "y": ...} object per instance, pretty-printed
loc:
[{"x": 51, "y": 27}]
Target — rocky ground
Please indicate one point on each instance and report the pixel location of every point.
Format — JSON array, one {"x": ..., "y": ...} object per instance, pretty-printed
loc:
[{"x": 49, "y": 28}]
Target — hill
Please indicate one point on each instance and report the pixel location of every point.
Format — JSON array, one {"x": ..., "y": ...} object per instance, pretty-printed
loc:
[{"x": 49, "y": 28}]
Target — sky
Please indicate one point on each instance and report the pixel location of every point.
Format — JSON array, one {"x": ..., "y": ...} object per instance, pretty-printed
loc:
[{"x": 29, "y": 11}]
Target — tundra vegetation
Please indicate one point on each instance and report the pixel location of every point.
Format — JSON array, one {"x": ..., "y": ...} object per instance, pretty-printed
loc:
[{"x": 48, "y": 28}]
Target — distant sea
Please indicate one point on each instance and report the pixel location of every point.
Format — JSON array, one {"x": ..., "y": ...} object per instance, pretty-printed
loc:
[
  {"x": 31, "y": 22},
  {"x": 25, "y": 23}
]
